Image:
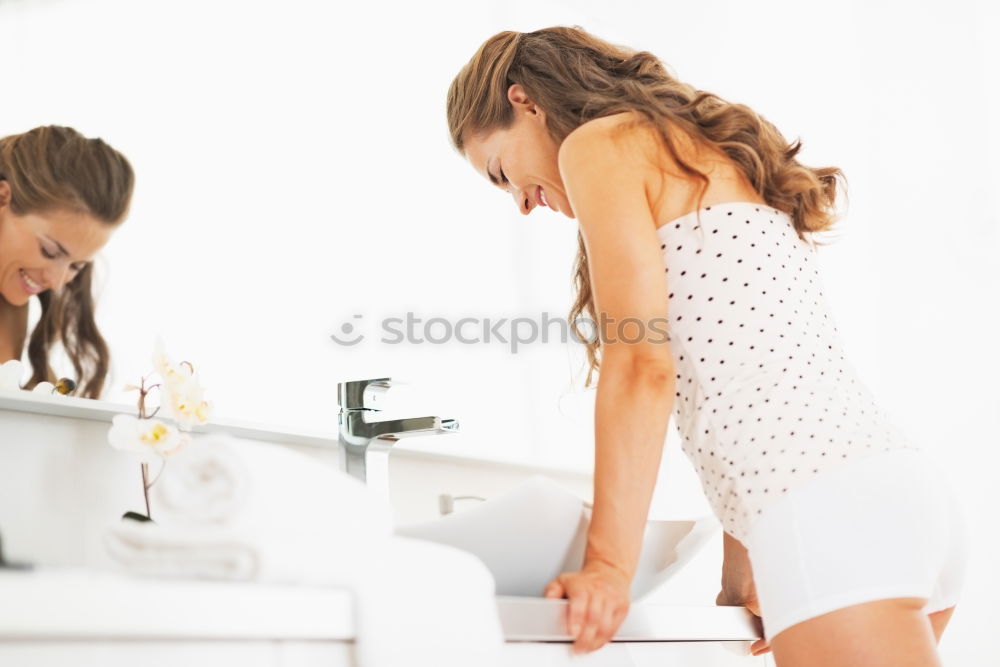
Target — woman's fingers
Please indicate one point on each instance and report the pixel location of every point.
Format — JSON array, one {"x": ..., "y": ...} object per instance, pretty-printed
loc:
[
  {"x": 597, "y": 606},
  {"x": 578, "y": 603},
  {"x": 750, "y": 601},
  {"x": 760, "y": 647},
  {"x": 586, "y": 640},
  {"x": 554, "y": 590},
  {"x": 610, "y": 622},
  {"x": 604, "y": 617}
]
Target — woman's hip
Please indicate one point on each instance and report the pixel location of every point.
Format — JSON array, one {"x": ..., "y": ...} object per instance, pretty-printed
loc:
[{"x": 887, "y": 525}]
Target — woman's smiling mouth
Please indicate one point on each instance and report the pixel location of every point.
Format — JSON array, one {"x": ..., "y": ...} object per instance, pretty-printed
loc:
[
  {"x": 541, "y": 199},
  {"x": 30, "y": 286}
]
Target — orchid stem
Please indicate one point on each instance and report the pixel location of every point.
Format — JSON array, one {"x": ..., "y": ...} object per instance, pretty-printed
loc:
[{"x": 145, "y": 488}]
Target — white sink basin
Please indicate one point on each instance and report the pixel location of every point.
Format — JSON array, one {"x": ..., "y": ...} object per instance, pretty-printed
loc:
[{"x": 530, "y": 534}]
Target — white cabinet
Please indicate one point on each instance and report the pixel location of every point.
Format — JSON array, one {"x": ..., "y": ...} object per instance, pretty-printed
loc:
[
  {"x": 61, "y": 483},
  {"x": 73, "y": 616}
]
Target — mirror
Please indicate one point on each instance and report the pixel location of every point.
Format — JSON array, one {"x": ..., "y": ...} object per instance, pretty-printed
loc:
[{"x": 294, "y": 177}]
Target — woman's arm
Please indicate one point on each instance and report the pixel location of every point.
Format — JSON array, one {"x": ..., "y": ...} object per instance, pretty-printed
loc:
[
  {"x": 631, "y": 416},
  {"x": 632, "y": 412},
  {"x": 606, "y": 180}
]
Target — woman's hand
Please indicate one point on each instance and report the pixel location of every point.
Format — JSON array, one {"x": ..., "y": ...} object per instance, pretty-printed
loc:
[
  {"x": 598, "y": 602},
  {"x": 738, "y": 588},
  {"x": 748, "y": 599}
]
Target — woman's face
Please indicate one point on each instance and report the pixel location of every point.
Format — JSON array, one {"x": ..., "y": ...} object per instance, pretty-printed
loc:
[
  {"x": 40, "y": 251},
  {"x": 523, "y": 159}
]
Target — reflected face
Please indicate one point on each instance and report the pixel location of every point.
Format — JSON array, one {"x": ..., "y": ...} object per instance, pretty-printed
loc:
[
  {"x": 523, "y": 159},
  {"x": 41, "y": 251}
]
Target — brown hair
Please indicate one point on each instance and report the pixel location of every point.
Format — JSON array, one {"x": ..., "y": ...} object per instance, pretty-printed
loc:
[
  {"x": 576, "y": 77},
  {"x": 52, "y": 168}
]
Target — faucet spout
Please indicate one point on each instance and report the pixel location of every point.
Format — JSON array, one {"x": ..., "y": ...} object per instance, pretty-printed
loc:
[
  {"x": 365, "y": 442},
  {"x": 359, "y": 429}
]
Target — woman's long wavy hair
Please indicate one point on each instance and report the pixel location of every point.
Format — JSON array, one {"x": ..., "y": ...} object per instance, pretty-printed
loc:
[
  {"x": 56, "y": 168},
  {"x": 576, "y": 77}
]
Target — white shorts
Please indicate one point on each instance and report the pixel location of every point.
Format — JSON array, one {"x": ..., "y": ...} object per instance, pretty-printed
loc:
[{"x": 888, "y": 525}]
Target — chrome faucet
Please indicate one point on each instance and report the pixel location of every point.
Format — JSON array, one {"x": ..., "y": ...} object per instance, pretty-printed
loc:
[{"x": 365, "y": 444}]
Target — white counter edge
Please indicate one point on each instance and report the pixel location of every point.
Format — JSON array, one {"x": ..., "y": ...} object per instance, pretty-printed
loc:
[
  {"x": 539, "y": 619},
  {"x": 74, "y": 407}
]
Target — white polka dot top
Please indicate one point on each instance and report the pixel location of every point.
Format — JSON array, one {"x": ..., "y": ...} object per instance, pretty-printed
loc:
[{"x": 765, "y": 396}]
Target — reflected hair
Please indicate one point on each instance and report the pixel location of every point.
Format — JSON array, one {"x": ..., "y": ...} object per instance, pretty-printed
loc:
[
  {"x": 577, "y": 77},
  {"x": 54, "y": 168}
]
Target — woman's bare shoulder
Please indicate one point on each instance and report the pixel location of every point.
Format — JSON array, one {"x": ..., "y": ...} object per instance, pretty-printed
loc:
[
  {"x": 634, "y": 132},
  {"x": 670, "y": 190}
]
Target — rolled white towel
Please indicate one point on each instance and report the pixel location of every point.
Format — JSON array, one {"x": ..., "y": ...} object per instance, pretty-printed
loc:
[{"x": 206, "y": 484}]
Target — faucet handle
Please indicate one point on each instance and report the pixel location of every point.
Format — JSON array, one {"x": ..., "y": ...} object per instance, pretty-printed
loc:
[
  {"x": 383, "y": 396},
  {"x": 373, "y": 394},
  {"x": 351, "y": 394}
]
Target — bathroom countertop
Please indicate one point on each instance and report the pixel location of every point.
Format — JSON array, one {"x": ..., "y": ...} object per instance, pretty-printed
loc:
[{"x": 51, "y": 603}]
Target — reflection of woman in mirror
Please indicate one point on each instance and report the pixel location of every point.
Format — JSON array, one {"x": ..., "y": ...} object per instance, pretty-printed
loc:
[
  {"x": 694, "y": 212},
  {"x": 61, "y": 196}
]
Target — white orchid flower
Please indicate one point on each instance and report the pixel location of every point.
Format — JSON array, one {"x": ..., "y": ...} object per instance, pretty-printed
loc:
[
  {"x": 149, "y": 439},
  {"x": 185, "y": 404},
  {"x": 10, "y": 375},
  {"x": 172, "y": 374},
  {"x": 181, "y": 394}
]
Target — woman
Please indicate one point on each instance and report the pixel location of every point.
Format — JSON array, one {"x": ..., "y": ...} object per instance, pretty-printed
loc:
[
  {"x": 694, "y": 212},
  {"x": 61, "y": 196}
]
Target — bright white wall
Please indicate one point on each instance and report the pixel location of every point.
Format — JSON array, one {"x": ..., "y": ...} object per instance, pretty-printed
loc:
[{"x": 294, "y": 170}]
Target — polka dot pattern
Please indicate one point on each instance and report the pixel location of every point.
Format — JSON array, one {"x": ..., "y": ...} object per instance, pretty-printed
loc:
[{"x": 765, "y": 398}]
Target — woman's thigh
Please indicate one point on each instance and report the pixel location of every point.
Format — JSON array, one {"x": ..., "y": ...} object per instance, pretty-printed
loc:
[{"x": 894, "y": 631}]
